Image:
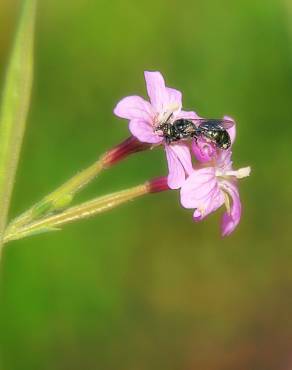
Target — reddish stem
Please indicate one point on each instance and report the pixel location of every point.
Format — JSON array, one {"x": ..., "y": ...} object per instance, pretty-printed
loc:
[
  {"x": 123, "y": 150},
  {"x": 158, "y": 184}
]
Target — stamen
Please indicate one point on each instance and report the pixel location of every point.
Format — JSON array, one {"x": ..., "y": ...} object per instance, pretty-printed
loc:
[
  {"x": 240, "y": 174},
  {"x": 227, "y": 202}
]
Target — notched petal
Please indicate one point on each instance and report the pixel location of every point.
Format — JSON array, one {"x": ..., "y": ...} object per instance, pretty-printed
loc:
[
  {"x": 173, "y": 100},
  {"x": 156, "y": 89},
  {"x": 179, "y": 164},
  {"x": 201, "y": 192},
  {"x": 176, "y": 175},
  {"x": 198, "y": 188},
  {"x": 134, "y": 107},
  {"x": 143, "y": 131}
]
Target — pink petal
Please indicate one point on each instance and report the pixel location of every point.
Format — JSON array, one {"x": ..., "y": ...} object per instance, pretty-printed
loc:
[
  {"x": 224, "y": 160},
  {"x": 231, "y": 130},
  {"x": 198, "y": 187},
  {"x": 214, "y": 202},
  {"x": 231, "y": 220},
  {"x": 173, "y": 99},
  {"x": 187, "y": 115},
  {"x": 156, "y": 90},
  {"x": 134, "y": 107},
  {"x": 201, "y": 191},
  {"x": 161, "y": 97},
  {"x": 179, "y": 164},
  {"x": 176, "y": 175},
  {"x": 143, "y": 131},
  {"x": 182, "y": 152}
]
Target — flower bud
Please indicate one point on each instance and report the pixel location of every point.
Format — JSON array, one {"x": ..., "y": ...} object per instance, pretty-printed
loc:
[
  {"x": 204, "y": 151},
  {"x": 158, "y": 184},
  {"x": 122, "y": 150}
]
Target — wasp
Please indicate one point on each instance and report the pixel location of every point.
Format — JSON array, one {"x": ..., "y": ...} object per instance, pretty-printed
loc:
[{"x": 214, "y": 130}]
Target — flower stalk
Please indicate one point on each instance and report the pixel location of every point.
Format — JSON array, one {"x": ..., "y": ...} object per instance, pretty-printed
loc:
[
  {"x": 58, "y": 199},
  {"x": 63, "y": 195},
  {"x": 85, "y": 210}
]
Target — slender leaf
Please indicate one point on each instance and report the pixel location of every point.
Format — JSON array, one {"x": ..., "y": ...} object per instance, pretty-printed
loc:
[{"x": 15, "y": 105}]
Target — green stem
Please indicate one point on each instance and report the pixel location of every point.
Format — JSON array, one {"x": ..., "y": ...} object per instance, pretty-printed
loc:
[
  {"x": 60, "y": 198},
  {"x": 81, "y": 211},
  {"x": 63, "y": 195},
  {"x": 15, "y": 105}
]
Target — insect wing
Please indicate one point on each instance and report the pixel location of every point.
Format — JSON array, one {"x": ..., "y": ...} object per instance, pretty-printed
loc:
[
  {"x": 214, "y": 123},
  {"x": 226, "y": 123}
]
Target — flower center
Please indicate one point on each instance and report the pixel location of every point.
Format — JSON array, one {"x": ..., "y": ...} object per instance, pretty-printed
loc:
[{"x": 162, "y": 122}]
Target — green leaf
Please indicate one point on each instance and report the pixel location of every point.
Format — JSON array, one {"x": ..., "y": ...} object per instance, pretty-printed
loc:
[{"x": 15, "y": 105}]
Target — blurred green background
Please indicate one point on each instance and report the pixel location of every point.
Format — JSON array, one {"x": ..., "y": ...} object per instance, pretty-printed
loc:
[{"x": 143, "y": 287}]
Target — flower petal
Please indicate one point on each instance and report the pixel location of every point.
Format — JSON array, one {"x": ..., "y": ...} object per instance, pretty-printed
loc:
[
  {"x": 134, "y": 107},
  {"x": 201, "y": 191},
  {"x": 231, "y": 218},
  {"x": 179, "y": 164},
  {"x": 182, "y": 152},
  {"x": 176, "y": 175},
  {"x": 215, "y": 202},
  {"x": 197, "y": 187},
  {"x": 156, "y": 90},
  {"x": 173, "y": 100},
  {"x": 223, "y": 160},
  {"x": 143, "y": 131}
]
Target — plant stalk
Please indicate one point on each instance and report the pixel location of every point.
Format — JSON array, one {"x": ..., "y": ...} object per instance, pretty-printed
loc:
[
  {"x": 62, "y": 197},
  {"x": 81, "y": 211}
]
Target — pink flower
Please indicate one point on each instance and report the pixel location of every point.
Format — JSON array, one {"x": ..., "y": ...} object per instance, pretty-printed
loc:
[
  {"x": 213, "y": 185},
  {"x": 165, "y": 104},
  {"x": 204, "y": 150}
]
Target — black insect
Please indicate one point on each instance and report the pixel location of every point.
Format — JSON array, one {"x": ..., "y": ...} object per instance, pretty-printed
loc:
[{"x": 214, "y": 130}]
